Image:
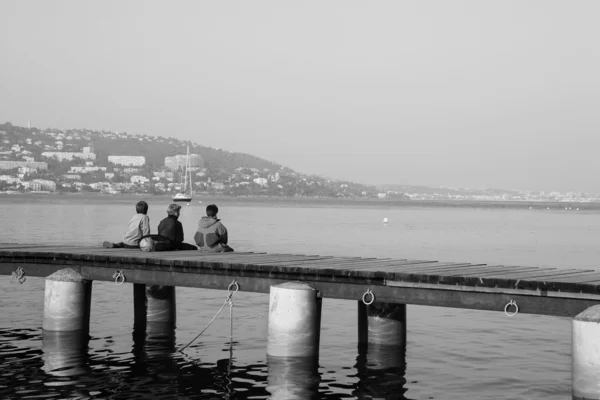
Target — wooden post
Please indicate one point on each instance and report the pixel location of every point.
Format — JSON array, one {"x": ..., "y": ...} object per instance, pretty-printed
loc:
[
  {"x": 294, "y": 378},
  {"x": 67, "y": 302},
  {"x": 294, "y": 320},
  {"x": 382, "y": 324},
  {"x": 586, "y": 354},
  {"x": 65, "y": 353}
]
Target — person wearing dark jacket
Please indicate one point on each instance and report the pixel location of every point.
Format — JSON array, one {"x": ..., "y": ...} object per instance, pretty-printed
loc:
[
  {"x": 170, "y": 232},
  {"x": 212, "y": 234}
]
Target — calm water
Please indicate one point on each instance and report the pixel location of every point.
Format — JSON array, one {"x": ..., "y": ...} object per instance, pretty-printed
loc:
[{"x": 451, "y": 353}]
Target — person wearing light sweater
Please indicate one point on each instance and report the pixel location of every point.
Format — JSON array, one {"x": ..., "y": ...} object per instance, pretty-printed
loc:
[{"x": 138, "y": 227}]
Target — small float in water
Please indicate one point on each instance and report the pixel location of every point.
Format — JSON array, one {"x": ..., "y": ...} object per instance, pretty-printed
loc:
[{"x": 385, "y": 220}]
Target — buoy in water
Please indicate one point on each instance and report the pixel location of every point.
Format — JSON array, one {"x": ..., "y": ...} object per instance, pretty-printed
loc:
[{"x": 385, "y": 220}]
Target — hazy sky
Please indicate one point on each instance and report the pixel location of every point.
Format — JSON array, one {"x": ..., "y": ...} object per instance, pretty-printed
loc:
[{"x": 457, "y": 93}]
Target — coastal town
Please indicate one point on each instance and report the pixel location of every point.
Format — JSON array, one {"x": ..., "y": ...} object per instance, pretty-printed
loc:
[{"x": 82, "y": 160}]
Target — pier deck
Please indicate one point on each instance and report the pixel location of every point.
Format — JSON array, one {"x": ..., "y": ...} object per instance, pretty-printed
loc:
[{"x": 548, "y": 291}]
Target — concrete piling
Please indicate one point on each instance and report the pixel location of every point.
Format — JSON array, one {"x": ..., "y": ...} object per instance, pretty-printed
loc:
[
  {"x": 65, "y": 353},
  {"x": 293, "y": 378},
  {"x": 67, "y": 302},
  {"x": 382, "y": 324},
  {"x": 294, "y": 320},
  {"x": 154, "y": 308},
  {"x": 586, "y": 354},
  {"x": 381, "y": 371}
]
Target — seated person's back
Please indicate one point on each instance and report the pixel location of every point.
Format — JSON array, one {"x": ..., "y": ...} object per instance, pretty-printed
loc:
[
  {"x": 212, "y": 234},
  {"x": 170, "y": 227},
  {"x": 137, "y": 228},
  {"x": 170, "y": 232}
]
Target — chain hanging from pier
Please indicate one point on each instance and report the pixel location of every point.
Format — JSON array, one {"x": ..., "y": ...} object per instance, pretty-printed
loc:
[
  {"x": 231, "y": 290},
  {"x": 19, "y": 275}
]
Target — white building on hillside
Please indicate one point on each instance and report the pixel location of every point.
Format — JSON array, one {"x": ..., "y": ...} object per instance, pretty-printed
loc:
[
  {"x": 68, "y": 156},
  {"x": 134, "y": 161},
  {"x": 175, "y": 162}
]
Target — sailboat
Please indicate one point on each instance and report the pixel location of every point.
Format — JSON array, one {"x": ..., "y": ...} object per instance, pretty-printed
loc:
[{"x": 185, "y": 196}]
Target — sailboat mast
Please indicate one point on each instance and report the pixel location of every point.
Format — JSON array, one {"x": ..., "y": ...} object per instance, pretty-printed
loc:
[{"x": 187, "y": 170}]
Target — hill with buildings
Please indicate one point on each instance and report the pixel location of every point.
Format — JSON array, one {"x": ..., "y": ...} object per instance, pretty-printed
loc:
[{"x": 83, "y": 160}]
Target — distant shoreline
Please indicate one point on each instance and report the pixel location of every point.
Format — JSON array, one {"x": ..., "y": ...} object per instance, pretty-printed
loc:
[{"x": 306, "y": 201}]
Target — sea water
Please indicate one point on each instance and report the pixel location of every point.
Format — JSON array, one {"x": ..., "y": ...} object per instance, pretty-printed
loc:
[{"x": 451, "y": 353}]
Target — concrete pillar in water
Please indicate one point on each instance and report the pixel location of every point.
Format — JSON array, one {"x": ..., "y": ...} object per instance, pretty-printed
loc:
[
  {"x": 586, "y": 354},
  {"x": 67, "y": 302},
  {"x": 294, "y": 320},
  {"x": 381, "y": 361},
  {"x": 382, "y": 324},
  {"x": 153, "y": 347},
  {"x": 65, "y": 353},
  {"x": 293, "y": 378},
  {"x": 154, "y": 308}
]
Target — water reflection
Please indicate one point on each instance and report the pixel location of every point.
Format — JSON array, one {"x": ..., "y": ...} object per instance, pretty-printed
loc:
[
  {"x": 46, "y": 365},
  {"x": 293, "y": 378},
  {"x": 154, "y": 362},
  {"x": 65, "y": 353},
  {"x": 381, "y": 371}
]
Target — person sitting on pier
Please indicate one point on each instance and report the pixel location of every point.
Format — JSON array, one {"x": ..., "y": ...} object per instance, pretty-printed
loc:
[
  {"x": 138, "y": 227},
  {"x": 170, "y": 232},
  {"x": 211, "y": 234}
]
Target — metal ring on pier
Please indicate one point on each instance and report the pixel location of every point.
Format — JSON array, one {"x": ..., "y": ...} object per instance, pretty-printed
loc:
[
  {"x": 119, "y": 278},
  {"x": 235, "y": 285},
  {"x": 19, "y": 275},
  {"x": 364, "y": 298},
  {"x": 514, "y": 304}
]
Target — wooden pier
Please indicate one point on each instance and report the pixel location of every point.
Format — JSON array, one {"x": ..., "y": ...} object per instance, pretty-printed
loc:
[
  {"x": 297, "y": 284},
  {"x": 548, "y": 291}
]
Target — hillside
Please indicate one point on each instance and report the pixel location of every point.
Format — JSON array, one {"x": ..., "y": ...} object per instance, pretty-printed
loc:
[{"x": 229, "y": 173}]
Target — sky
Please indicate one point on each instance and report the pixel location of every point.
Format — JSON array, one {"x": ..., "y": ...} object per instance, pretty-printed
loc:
[{"x": 475, "y": 94}]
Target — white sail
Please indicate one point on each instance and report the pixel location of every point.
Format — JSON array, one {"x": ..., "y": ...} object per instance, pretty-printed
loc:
[{"x": 184, "y": 196}]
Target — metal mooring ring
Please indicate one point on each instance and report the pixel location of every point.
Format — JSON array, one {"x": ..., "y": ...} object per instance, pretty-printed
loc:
[
  {"x": 507, "y": 306},
  {"x": 364, "y": 297},
  {"x": 235, "y": 285},
  {"x": 119, "y": 278}
]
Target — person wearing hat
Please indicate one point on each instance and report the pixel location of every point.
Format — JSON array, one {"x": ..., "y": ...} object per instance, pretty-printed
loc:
[{"x": 170, "y": 232}]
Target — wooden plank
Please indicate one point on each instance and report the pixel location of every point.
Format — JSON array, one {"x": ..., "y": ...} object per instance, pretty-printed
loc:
[
  {"x": 431, "y": 268},
  {"x": 514, "y": 270},
  {"x": 393, "y": 267},
  {"x": 334, "y": 263},
  {"x": 564, "y": 274},
  {"x": 536, "y": 274},
  {"x": 582, "y": 278},
  {"x": 379, "y": 264},
  {"x": 511, "y": 273},
  {"x": 488, "y": 271}
]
